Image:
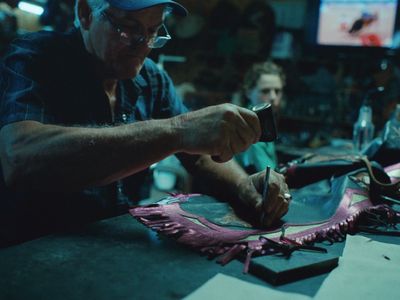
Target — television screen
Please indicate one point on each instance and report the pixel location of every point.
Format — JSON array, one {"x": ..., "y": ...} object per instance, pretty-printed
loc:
[{"x": 362, "y": 23}]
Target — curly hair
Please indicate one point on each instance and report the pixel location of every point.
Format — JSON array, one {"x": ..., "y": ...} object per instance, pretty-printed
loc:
[{"x": 255, "y": 72}]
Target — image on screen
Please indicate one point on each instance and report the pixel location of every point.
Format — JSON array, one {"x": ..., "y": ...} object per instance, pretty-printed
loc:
[{"x": 357, "y": 23}]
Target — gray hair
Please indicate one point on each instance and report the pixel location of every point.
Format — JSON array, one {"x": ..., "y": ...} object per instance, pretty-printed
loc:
[{"x": 97, "y": 6}]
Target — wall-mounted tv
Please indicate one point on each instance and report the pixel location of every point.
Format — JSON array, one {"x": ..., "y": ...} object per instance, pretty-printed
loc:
[
  {"x": 363, "y": 23},
  {"x": 352, "y": 28}
]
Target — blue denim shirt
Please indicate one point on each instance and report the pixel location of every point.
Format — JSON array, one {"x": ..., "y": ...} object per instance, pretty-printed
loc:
[{"x": 50, "y": 77}]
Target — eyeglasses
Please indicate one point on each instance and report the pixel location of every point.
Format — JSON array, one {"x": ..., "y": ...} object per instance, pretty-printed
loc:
[{"x": 133, "y": 36}]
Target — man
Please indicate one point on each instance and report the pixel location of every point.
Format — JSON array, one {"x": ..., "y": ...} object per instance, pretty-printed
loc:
[{"x": 84, "y": 114}]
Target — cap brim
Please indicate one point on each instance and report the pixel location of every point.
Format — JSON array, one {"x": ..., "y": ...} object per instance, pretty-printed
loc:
[{"x": 132, "y": 5}]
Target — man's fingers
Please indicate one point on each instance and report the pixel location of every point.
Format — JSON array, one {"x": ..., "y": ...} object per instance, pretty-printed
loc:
[
  {"x": 278, "y": 200},
  {"x": 252, "y": 120},
  {"x": 226, "y": 154},
  {"x": 277, "y": 207},
  {"x": 243, "y": 135},
  {"x": 287, "y": 196},
  {"x": 239, "y": 142},
  {"x": 275, "y": 212},
  {"x": 284, "y": 208},
  {"x": 273, "y": 198},
  {"x": 279, "y": 211}
]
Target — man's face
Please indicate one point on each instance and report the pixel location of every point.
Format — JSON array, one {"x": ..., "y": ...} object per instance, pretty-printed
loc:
[
  {"x": 268, "y": 89},
  {"x": 121, "y": 59}
]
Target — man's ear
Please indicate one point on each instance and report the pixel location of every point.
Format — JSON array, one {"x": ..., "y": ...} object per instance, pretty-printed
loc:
[{"x": 84, "y": 14}]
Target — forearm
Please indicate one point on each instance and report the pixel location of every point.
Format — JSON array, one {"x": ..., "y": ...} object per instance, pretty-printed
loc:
[
  {"x": 34, "y": 154},
  {"x": 220, "y": 180},
  {"x": 47, "y": 155}
]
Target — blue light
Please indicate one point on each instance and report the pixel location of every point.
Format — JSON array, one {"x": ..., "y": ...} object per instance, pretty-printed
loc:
[{"x": 30, "y": 8}]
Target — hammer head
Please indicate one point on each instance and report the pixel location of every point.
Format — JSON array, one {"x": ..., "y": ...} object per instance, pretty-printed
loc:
[{"x": 267, "y": 121}]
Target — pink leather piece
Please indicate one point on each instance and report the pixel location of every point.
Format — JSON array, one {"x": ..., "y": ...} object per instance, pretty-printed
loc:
[{"x": 214, "y": 240}]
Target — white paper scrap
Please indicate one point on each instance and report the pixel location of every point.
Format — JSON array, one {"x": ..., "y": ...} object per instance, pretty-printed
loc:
[{"x": 226, "y": 287}]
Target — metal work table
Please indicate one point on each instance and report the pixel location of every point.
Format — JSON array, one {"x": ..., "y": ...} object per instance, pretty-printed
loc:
[{"x": 116, "y": 258}]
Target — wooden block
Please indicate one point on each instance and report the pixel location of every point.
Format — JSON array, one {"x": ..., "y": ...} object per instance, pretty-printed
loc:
[{"x": 277, "y": 269}]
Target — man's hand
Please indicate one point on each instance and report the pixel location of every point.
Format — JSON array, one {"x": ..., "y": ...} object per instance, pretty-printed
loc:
[
  {"x": 277, "y": 204},
  {"x": 220, "y": 131}
]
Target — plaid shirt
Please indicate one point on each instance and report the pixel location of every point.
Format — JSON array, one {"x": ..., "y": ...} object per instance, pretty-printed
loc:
[{"x": 49, "y": 77}]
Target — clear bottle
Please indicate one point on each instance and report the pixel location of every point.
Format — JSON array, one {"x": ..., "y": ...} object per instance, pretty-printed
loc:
[
  {"x": 363, "y": 129},
  {"x": 391, "y": 132}
]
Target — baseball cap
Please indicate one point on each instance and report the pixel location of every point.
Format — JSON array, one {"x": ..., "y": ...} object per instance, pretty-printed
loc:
[{"x": 142, "y": 4}]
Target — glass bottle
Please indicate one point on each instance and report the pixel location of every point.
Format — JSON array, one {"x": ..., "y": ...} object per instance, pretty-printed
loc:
[
  {"x": 363, "y": 129},
  {"x": 391, "y": 132}
]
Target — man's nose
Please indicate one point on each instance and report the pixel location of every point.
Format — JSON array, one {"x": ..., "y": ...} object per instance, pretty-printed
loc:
[{"x": 272, "y": 95}]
